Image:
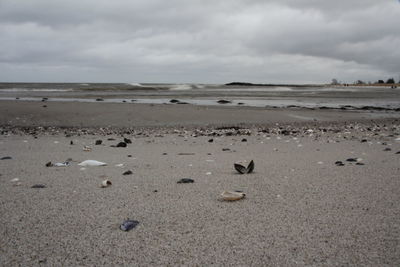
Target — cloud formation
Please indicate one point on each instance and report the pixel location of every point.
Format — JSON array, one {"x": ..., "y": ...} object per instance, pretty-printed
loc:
[{"x": 208, "y": 41}]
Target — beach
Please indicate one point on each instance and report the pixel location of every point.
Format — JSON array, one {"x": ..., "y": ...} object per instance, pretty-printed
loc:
[{"x": 302, "y": 208}]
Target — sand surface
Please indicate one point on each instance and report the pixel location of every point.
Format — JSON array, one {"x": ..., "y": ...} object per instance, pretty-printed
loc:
[{"x": 300, "y": 208}]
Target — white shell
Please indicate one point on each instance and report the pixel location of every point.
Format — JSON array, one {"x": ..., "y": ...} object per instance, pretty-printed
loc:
[
  {"x": 232, "y": 196},
  {"x": 105, "y": 183},
  {"x": 90, "y": 162},
  {"x": 87, "y": 148},
  {"x": 61, "y": 164}
]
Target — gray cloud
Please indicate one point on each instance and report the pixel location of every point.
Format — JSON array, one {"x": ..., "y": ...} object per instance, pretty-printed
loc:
[{"x": 199, "y": 41}]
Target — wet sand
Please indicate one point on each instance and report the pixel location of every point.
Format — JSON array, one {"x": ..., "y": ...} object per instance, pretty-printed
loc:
[{"x": 301, "y": 209}]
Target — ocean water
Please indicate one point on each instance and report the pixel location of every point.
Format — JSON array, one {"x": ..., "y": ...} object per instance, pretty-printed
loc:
[{"x": 349, "y": 97}]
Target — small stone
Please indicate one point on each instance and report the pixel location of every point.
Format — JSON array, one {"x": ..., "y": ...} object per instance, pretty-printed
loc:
[
  {"x": 128, "y": 225},
  {"x": 211, "y": 140},
  {"x": 49, "y": 164},
  {"x": 129, "y": 172},
  {"x": 98, "y": 142},
  {"x": 71, "y": 142},
  {"x": 6, "y": 157},
  {"x": 244, "y": 140},
  {"x": 387, "y": 149},
  {"x": 121, "y": 144},
  {"x": 185, "y": 181},
  {"x": 128, "y": 141},
  {"x": 339, "y": 163},
  {"x": 360, "y": 163},
  {"x": 38, "y": 186},
  {"x": 351, "y": 160},
  {"x": 226, "y": 149}
]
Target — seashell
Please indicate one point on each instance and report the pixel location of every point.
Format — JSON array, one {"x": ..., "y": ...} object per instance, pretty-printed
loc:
[
  {"x": 105, "y": 183},
  {"x": 232, "y": 195},
  {"x": 128, "y": 225},
  {"x": 87, "y": 148},
  {"x": 242, "y": 169},
  {"x": 61, "y": 164},
  {"x": 91, "y": 162}
]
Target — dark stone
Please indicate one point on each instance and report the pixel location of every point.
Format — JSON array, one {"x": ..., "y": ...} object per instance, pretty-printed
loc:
[
  {"x": 223, "y": 101},
  {"x": 111, "y": 139},
  {"x": 71, "y": 142},
  {"x": 129, "y": 172},
  {"x": 121, "y": 144},
  {"x": 351, "y": 160},
  {"x": 244, "y": 140},
  {"x": 398, "y": 152},
  {"x": 155, "y": 191},
  {"x": 360, "y": 163},
  {"x": 38, "y": 186},
  {"x": 98, "y": 142},
  {"x": 49, "y": 164},
  {"x": 6, "y": 157},
  {"x": 129, "y": 156},
  {"x": 339, "y": 163},
  {"x": 364, "y": 141},
  {"x": 211, "y": 140},
  {"x": 182, "y": 103},
  {"x": 99, "y": 99},
  {"x": 174, "y": 101},
  {"x": 226, "y": 149},
  {"x": 128, "y": 141},
  {"x": 185, "y": 181},
  {"x": 387, "y": 149},
  {"x": 128, "y": 225}
]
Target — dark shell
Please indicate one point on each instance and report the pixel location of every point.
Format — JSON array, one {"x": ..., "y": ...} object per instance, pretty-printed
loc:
[
  {"x": 128, "y": 225},
  {"x": 185, "y": 181},
  {"x": 243, "y": 170}
]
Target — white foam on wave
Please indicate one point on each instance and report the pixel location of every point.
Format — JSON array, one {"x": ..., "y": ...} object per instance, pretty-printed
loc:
[
  {"x": 137, "y": 84},
  {"x": 181, "y": 87},
  {"x": 35, "y": 90}
]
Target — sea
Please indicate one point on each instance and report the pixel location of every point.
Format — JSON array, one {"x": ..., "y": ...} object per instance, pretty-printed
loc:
[{"x": 380, "y": 98}]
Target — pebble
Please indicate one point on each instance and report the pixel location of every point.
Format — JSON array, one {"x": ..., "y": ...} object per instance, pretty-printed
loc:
[
  {"x": 185, "y": 181},
  {"x": 98, "y": 142},
  {"x": 6, "y": 157},
  {"x": 128, "y": 225},
  {"x": 387, "y": 149},
  {"x": 121, "y": 144},
  {"x": 128, "y": 141},
  {"x": 339, "y": 163},
  {"x": 128, "y": 172},
  {"x": 38, "y": 186}
]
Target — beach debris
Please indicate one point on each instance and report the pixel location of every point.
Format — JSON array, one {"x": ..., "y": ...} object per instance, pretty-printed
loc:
[
  {"x": 105, "y": 183},
  {"x": 128, "y": 141},
  {"x": 364, "y": 140},
  {"x": 223, "y": 101},
  {"x": 242, "y": 169},
  {"x": 121, "y": 144},
  {"x": 98, "y": 142},
  {"x": 128, "y": 225},
  {"x": 61, "y": 164},
  {"x": 6, "y": 157},
  {"x": 387, "y": 149},
  {"x": 185, "y": 181},
  {"x": 128, "y": 172},
  {"x": 232, "y": 195},
  {"x": 38, "y": 186},
  {"x": 339, "y": 163},
  {"x": 87, "y": 148},
  {"x": 90, "y": 162}
]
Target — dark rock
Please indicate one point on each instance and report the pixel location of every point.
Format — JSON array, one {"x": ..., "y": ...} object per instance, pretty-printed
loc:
[
  {"x": 182, "y": 103},
  {"x": 98, "y": 142},
  {"x": 49, "y": 164},
  {"x": 129, "y": 156},
  {"x": 155, "y": 191},
  {"x": 99, "y": 99},
  {"x": 185, "y": 181},
  {"x": 6, "y": 157},
  {"x": 339, "y": 163},
  {"x": 71, "y": 142},
  {"x": 38, "y": 186},
  {"x": 351, "y": 160},
  {"x": 129, "y": 172},
  {"x": 223, "y": 101},
  {"x": 121, "y": 144},
  {"x": 111, "y": 139},
  {"x": 128, "y": 225},
  {"x": 174, "y": 101},
  {"x": 226, "y": 149},
  {"x": 387, "y": 149},
  {"x": 364, "y": 141},
  {"x": 45, "y": 106},
  {"x": 360, "y": 163},
  {"x": 398, "y": 152},
  {"x": 211, "y": 140},
  {"x": 244, "y": 140},
  {"x": 128, "y": 141}
]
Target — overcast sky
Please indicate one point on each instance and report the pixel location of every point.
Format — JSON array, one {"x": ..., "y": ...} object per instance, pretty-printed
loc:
[{"x": 206, "y": 41}]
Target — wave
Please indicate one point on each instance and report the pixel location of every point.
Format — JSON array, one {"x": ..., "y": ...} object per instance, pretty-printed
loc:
[{"x": 35, "y": 90}]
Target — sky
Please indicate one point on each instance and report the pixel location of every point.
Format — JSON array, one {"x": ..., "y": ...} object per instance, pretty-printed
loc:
[{"x": 199, "y": 41}]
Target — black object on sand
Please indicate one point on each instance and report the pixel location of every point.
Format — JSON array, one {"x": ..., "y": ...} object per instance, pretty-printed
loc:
[
  {"x": 129, "y": 172},
  {"x": 128, "y": 225},
  {"x": 98, "y": 142},
  {"x": 185, "y": 181},
  {"x": 242, "y": 169},
  {"x": 38, "y": 186},
  {"x": 121, "y": 144}
]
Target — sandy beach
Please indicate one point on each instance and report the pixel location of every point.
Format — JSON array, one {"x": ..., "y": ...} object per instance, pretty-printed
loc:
[{"x": 302, "y": 208}]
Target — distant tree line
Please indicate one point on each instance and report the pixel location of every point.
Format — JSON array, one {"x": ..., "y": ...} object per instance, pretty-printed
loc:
[{"x": 360, "y": 82}]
